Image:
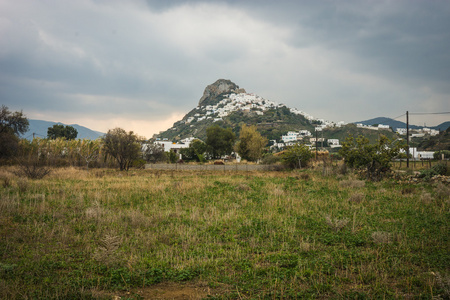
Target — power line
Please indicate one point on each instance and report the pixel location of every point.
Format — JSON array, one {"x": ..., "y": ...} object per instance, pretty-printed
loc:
[
  {"x": 433, "y": 113},
  {"x": 398, "y": 117}
]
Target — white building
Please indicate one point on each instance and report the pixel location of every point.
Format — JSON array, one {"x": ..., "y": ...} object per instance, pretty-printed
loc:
[
  {"x": 401, "y": 131},
  {"x": 291, "y": 136},
  {"x": 381, "y": 126},
  {"x": 334, "y": 142},
  {"x": 420, "y": 154}
]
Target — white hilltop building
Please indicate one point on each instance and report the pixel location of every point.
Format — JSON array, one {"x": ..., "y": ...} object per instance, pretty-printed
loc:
[{"x": 239, "y": 102}]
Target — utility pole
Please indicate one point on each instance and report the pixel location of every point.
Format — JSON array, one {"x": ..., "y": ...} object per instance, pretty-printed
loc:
[
  {"x": 316, "y": 142},
  {"x": 407, "y": 139}
]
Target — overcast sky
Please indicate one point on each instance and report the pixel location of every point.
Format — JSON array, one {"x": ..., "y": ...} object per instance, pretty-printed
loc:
[{"x": 142, "y": 65}]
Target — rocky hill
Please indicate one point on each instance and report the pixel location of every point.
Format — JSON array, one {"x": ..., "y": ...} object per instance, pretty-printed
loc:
[{"x": 226, "y": 104}]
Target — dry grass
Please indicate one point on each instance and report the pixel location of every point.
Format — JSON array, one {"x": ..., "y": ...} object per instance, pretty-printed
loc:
[
  {"x": 356, "y": 198},
  {"x": 263, "y": 233},
  {"x": 336, "y": 224},
  {"x": 352, "y": 183},
  {"x": 107, "y": 250},
  {"x": 380, "y": 237}
]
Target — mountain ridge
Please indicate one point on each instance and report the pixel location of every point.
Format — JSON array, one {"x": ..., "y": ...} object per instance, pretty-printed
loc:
[
  {"x": 38, "y": 128},
  {"x": 399, "y": 124}
]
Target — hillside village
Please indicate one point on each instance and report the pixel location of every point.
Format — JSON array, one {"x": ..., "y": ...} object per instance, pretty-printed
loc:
[{"x": 223, "y": 98}]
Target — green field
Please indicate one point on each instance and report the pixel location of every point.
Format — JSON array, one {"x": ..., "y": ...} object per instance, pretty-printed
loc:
[{"x": 80, "y": 234}]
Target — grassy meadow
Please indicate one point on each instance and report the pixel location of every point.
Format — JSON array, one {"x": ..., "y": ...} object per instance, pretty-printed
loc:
[{"x": 100, "y": 234}]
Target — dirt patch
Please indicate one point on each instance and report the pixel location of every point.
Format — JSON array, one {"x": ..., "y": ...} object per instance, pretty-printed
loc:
[{"x": 171, "y": 290}]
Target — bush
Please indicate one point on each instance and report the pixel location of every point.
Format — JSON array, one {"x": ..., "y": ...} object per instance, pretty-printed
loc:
[
  {"x": 439, "y": 169},
  {"x": 270, "y": 159},
  {"x": 297, "y": 156},
  {"x": 438, "y": 154},
  {"x": 375, "y": 159},
  {"x": 32, "y": 169}
]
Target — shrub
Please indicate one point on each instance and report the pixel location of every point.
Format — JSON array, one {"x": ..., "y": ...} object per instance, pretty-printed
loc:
[
  {"x": 297, "y": 156},
  {"x": 32, "y": 169},
  {"x": 270, "y": 159},
  {"x": 438, "y": 169},
  {"x": 438, "y": 154},
  {"x": 375, "y": 159}
]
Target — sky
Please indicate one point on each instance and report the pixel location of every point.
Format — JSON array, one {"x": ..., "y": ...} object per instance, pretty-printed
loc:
[{"x": 142, "y": 65}]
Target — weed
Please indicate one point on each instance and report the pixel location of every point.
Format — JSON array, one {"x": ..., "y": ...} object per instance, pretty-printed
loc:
[
  {"x": 357, "y": 198},
  {"x": 304, "y": 176},
  {"x": 23, "y": 184},
  {"x": 6, "y": 182},
  {"x": 380, "y": 237},
  {"x": 107, "y": 250},
  {"x": 426, "y": 198},
  {"x": 408, "y": 190},
  {"x": 442, "y": 191},
  {"x": 352, "y": 183},
  {"x": 336, "y": 224},
  {"x": 443, "y": 284}
]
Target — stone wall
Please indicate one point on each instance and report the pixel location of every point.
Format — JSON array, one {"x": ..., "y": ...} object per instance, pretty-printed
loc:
[{"x": 226, "y": 167}]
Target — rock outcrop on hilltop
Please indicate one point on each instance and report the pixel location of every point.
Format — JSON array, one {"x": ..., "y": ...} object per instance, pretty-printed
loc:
[
  {"x": 225, "y": 104},
  {"x": 221, "y": 86}
]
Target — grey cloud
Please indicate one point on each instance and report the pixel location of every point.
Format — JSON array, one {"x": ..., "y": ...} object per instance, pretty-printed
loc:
[{"x": 153, "y": 58}]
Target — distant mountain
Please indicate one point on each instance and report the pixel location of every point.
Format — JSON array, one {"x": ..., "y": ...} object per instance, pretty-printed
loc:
[
  {"x": 443, "y": 126},
  {"x": 394, "y": 124},
  {"x": 39, "y": 128}
]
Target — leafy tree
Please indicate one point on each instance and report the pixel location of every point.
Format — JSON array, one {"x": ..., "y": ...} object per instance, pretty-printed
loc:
[
  {"x": 171, "y": 156},
  {"x": 438, "y": 154},
  {"x": 154, "y": 152},
  {"x": 61, "y": 131},
  {"x": 374, "y": 158},
  {"x": 250, "y": 144},
  {"x": 124, "y": 147},
  {"x": 297, "y": 156},
  {"x": 195, "y": 151},
  {"x": 219, "y": 140},
  {"x": 12, "y": 124}
]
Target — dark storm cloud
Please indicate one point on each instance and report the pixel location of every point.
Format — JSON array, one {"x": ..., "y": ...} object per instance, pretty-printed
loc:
[{"x": 150, "y": 60}]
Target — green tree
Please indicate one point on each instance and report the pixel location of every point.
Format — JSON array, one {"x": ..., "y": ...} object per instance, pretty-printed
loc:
[
  {"x": 124, "y": 147},
  {"x": 154, "y": 152},
  {"x": 297, "y": 156},
  {"x": 61, "y": 131},
  {"x": 12, "y": 124},
  {"x": 374, "y": 158},
  {"x": 250, "y": 144},
  {"x": 438, "y": 154},
  {"x": 172, "y": 157},
  {"x": 195, "y": 151},
  {"x": 220, "y": 141}
]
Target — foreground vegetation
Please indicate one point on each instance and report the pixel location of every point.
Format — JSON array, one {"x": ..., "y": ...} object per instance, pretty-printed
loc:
[{"x": 97, "y": 233}]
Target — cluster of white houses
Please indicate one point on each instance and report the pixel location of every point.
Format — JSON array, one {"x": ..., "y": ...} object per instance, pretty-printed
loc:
[
  {"x": 230, "y": 103},
  {"x": 402, "y": 131},
  {"x": 293, "y": 137},
  {"x": 247, "y": 102},
  {"x": 418, "y": 132}
]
